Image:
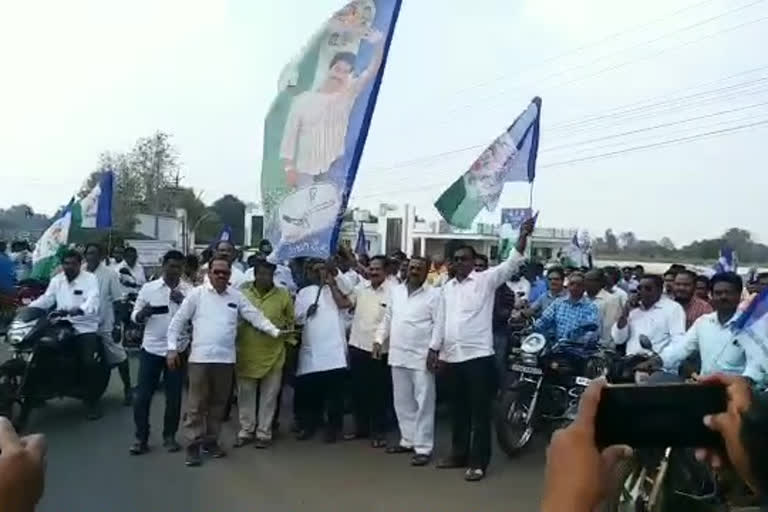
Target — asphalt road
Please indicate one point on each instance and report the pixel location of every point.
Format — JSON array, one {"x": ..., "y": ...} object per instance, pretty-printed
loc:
[{"x": 89, "y": 470}]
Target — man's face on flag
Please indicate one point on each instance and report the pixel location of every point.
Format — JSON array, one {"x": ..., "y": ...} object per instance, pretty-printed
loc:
[{"x": 483, "y": 182}]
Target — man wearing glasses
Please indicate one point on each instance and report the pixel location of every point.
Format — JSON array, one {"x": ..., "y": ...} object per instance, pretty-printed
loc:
[
  {"x": 214, "y": 310},
  {"x": 651, "y": 316},
  {"x": 466, "y": 346}
]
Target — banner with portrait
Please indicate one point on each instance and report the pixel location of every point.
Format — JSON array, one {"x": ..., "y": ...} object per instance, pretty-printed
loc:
[
  {"x": 317, "y": 125},
  {"x": 509, "y": 230}
]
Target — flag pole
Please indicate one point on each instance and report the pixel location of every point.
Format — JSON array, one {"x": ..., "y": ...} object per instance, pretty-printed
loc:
[{"x": 530, "y": 196}]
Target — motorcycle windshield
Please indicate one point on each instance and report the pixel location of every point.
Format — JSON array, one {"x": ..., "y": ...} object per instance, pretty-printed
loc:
[{"x": 29, "y": 314}]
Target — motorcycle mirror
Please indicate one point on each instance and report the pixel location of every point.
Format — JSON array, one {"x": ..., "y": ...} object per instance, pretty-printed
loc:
[{"x": 646, "y": 343}]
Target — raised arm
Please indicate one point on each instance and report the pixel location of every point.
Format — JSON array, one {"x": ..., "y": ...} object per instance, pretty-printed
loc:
[
  {"x": 501, "y": 273},
  {"x": 365, "y": 78}
]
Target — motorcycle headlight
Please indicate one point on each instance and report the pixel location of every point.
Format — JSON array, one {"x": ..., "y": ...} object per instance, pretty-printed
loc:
[
  {"x": 533, "y": 344},
  {"x": 17, "y": 331}
]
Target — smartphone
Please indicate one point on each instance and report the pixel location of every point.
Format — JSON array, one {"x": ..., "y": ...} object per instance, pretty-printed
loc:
[
  {"x": 160, "y": 310},
  {"x": 659, "y": 415}
]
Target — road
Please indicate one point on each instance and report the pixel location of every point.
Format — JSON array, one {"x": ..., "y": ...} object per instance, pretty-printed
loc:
[{"x": 89, "y": 470}]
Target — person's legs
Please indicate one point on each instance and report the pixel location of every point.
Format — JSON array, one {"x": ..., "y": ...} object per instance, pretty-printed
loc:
[
  {"x": 174, "y": 381},
  {"x": 405, "y": 405},
  {"x": 379, "y": 378},
  {"x": 268, "y": 396},
  {"x": 461, "y": 418},
  {"x": 423, "y": 382},
  {"x": 197, "y": 403},
  {"x": 333, "y": 390},
  {"x": 480, "y": 384},
  {"x": 150, "y": 368},
  {"x": 309, "y": 402},
  {"x": 500, "y": 347},
  {"x": 220, "y": 377},
  {"x": 246, "y": 405},
  {"x": 361, "y": 391},
  {"x": 92, "y": 371}
]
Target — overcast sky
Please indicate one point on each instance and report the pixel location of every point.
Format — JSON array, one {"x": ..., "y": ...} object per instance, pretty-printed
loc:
[{"x": 84, "y": 76}]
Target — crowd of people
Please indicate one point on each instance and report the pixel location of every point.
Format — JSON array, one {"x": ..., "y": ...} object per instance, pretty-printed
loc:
[{"x": 372, "y": 334}]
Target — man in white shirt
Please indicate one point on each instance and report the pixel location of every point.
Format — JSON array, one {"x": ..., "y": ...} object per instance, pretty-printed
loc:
[
  {"x": 75, "y": 294},
  {"x": 130, "y": 272},
  {"x": 608, "y": 306},
  {"x": 109, "y": 292},
  {"x": 367, "y": 360},
  {"x": 410, "y": 325},
  {"x": 156, "y": 304},
  {"x": 225, "y": 250},
  {"x": 214, "y": 310},
  {"x": 612, "y": 278},
  {"x": 467, "y": 348},
  {"x": 322, "y": 362},
  {"x": 658, "y": 318}
]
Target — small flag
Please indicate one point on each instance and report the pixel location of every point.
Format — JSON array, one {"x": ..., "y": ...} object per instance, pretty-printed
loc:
[
  {"x": 361, "y": 247},
  {"x": 574, "y": 255},
  {"x": 95, "y": 209},
  {"x": 511, "y": 220},
  {"x": 754, "y": 312},
  {"x": 511, "y": 158},
  {"x": 50, "y": 246},
  {"x": 225, "y": 235},
  {"x": 727, "y": 261}
]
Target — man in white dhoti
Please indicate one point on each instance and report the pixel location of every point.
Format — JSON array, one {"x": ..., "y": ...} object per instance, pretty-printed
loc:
[{"x": 411, "y": 325}]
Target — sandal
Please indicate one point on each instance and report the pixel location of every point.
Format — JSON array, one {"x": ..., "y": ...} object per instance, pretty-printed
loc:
[{"x": 474, "y": 475}]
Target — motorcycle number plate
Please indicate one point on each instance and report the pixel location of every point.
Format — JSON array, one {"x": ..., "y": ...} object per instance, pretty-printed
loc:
[
  {"x": 583, "y": 381},
  {"x": 526, "y": 369}
]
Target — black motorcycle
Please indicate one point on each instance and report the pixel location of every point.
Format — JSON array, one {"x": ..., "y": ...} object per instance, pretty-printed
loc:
[
  {"x": 44, "y": 364},
  {"x": 126, "y": 332},
  {"x": 545, "y": 384}
]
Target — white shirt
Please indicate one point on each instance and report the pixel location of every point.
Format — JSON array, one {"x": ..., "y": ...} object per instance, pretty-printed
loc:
[
  {"x": 370, "y": 305},
  {"x": 158, "y": 293},
  {"x": 109, "y": 291},
  {"x": 214, "y": 318},
  {"x": 467, "y": 310},
  {"x": 82, "y": 292},
  {"x": 721, "y": 350},
  {"x": 663, "y": 323},
  {"x": 411, "y": 325},
  {"x": 621, "y": 295},
  {"x": 137, "y": 277},
  {"x": 323, "y": 341},
  {"x": 609, "y": 310},
  {"x": 236, "y": 280}
]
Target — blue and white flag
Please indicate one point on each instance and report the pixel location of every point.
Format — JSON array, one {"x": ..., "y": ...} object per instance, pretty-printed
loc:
[
  {"x": 361, "y": 246},
  {"x": 511, "y": 220},
  {"x": 317, "y": 125},
  {"x": 510, "y": 158},
  {"x": 574, "y": 255},
  {"x": 225, "y": 235},
  {"x": 727, "y": 261},
  {"x": 94, "y": 211}
]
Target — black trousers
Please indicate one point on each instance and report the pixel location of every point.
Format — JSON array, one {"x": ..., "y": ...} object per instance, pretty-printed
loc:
[
  {"x": 151, "y": 367},
  {"x": 92, "y": 371},
  {"x": 319, "y": 395},
  {"x": 474, "y": 382},
  {"x": 371, "y": 392}
]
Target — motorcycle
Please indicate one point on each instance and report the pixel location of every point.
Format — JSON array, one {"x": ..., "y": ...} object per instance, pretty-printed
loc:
[
  {"x": 546, "y": 381},
  {"x": 23, "y": 294},
  {"x": 127, "y": 332},
  {"x": 44, "y": 364}
]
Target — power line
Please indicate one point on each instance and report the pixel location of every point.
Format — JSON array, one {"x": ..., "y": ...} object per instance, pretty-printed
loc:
[{"x": 610, "y": 154}]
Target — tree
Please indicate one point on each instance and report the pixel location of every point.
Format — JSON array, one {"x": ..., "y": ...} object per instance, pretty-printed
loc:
[
  {"x": 627, "y": 240},
  {"x": 667, "y": 243},
  {"x": 611, "y": 243},
  {"x": 231, "y": 212}
]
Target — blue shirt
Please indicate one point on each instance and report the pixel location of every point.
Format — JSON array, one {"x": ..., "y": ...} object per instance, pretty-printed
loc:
[
  {"x": 7, "y": 273},
  {"x": 538, "y": 288},
  {"x": 564, "y": 316}
]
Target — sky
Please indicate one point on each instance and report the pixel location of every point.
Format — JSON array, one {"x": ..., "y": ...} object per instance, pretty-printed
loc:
[{"x": 86, "y": 76}]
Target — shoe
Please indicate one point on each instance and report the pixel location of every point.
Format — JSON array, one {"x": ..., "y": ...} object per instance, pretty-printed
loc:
[
  {"x": 398, "y": 449},
  {"x": 304, "y": 434},
  {"x": 242, "y": 441},
  {"x": 352, "y": 436},
  {"x": 331, "y": 436},
  {"x": 193, "y": 456},
  {"x": 170, "y": 444},
  {"x": 452, "y": 462},
  {"x": 420, "y": 459},
  {"x": 378, "y": 442},
  {"x": 474, "y": 474},
  {"x": 262, "y": 444},
  {"x": 94, "y": 412},
  {"x": 138, "y": 448},
  {"x": 128, "y": 398},
  {"x": 214, "y": 451}
]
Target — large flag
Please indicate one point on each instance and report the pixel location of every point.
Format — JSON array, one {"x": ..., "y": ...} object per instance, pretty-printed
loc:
[
  {"x": 48, "y": 249},
  {"x": 511, "y": 220},
  {"x": 511, "y": 157},
  {"x": 316, "y": 127},
  {"x": 727, "y": 261},
  {"x": 95, "y": 209}
]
